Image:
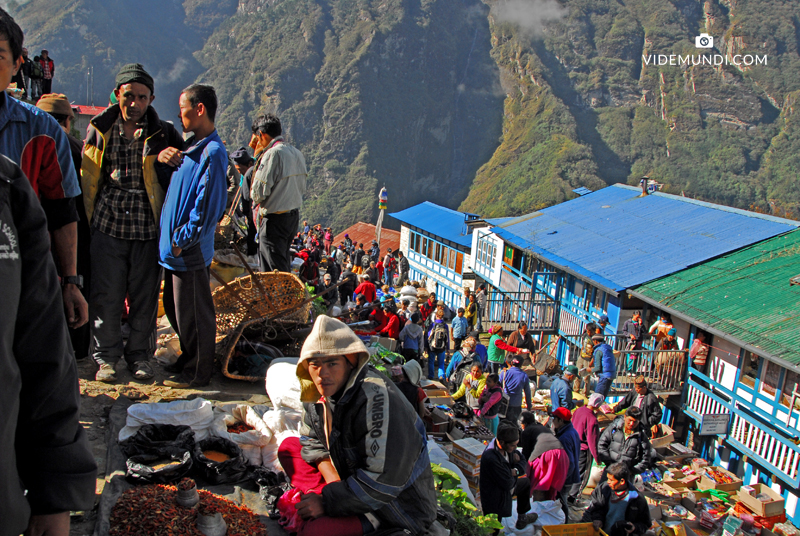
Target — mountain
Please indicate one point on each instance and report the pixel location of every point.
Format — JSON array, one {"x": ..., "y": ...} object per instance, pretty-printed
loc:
[{"x": 498, "y": 107}]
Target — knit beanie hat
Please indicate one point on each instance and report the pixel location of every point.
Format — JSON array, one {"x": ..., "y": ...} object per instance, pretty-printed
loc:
[
  {"x": 134, "y": 72},
  {"x": 55, "y": 103}
]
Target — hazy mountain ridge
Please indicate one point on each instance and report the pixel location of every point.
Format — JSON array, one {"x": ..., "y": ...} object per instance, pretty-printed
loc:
[{"x": 499, "y": 107}]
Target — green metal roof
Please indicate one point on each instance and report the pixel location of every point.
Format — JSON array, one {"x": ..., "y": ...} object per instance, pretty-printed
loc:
[{"x": 746, "y": 294}]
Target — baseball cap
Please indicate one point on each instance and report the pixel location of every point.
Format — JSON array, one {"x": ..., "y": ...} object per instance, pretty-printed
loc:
[
  {"x": 572, "y": 369},
  {"x": 603, "y": 319},
  {"x": 598, "y": 337},
  {"x": 596, "y": 400},
  {"x": 563, "y": 414}
]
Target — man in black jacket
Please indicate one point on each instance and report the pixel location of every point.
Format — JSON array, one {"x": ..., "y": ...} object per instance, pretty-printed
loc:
[
  {"x": 643, "y": 398},
  {"x": 616, "y": 507},
  {"x": 626, "y": 441},
  {"x": 46, "y": 467},
  {"x": 503, "y": 476}
]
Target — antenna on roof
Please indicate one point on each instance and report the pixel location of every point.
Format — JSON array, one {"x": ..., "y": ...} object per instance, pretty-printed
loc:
[{"x": 643, "y": 183}]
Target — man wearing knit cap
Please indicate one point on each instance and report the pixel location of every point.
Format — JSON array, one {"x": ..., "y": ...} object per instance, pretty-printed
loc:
[
  {"x": 35, "y": 142},
  {"x": 244, "y": 165},
  {"x": 364, "y": 439},
  {"x": 128, "y": 159}
]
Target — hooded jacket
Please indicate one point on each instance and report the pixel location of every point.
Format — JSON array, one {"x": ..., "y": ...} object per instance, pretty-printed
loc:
[
  {"x": 375, "y": 440},
  {"x": 651, "y": 407},
  {"x": 195, "y": 202},
  {"x": 633, "y": 450}
]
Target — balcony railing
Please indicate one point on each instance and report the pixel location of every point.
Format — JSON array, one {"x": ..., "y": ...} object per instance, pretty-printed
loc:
[
  {"x": 765, "y": 445},
  {"x": 538, "y": 310},
  {"x": 664, "y": 370}
]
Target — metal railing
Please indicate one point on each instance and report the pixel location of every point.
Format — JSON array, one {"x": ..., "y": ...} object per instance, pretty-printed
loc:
[
  {"x": 665, "y": 370},
  {"x": 510, "y": 308}
]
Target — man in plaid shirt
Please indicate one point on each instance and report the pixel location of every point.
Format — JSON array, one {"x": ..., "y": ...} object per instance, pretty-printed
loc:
[{"x": 128, "y": 159}]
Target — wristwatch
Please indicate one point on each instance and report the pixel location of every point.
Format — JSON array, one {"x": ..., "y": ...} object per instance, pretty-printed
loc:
[{"x": 76, "y": 280}]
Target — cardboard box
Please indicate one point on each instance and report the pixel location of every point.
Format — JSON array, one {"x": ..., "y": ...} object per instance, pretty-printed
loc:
[
  {"x": 665, "y": 440},
  {"x": 469, "y": 449},
  {"x": 773, "y": 507},
  {"x": 438, "y": 422},
  {"x": 469, "y": 469},
  {"x": 386, "y": 342},
  {"x": 707, "y": 483}
]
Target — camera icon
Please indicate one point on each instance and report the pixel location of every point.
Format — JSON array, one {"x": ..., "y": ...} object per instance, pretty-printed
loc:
[{"x": 704, "y": 41}]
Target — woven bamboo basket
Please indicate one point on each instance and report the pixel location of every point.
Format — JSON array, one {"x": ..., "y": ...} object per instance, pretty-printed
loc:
[{"x": 285, "y": 292}]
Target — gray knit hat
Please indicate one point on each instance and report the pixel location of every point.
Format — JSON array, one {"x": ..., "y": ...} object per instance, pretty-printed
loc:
[{"x": 134, "y": 72}]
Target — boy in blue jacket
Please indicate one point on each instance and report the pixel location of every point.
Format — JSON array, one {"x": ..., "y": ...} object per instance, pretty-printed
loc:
[{"x": 195, "y": 202}]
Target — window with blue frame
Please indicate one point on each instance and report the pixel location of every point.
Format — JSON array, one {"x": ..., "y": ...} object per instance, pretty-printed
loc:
[{"x": 439, "y": 252}]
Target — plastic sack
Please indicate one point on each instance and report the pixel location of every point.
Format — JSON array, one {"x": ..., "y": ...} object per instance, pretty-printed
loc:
[
  {"x": 198, "y": 414},
  {"x": 251, "y": 441},
  {"x": 283, "y": 387},
  {"x": 290, "y": 520},
  {"x": 230, "y": 471},
  {"x": 595, "y": 475},
  {"x": 140, "y": 468},
  {"x": 161, "y": 440}
]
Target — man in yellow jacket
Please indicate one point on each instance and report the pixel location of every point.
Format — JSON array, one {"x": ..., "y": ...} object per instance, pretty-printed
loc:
[{"x": 128, "y": 159}]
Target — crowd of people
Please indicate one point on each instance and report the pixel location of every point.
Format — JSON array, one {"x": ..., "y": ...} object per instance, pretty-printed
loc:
[{"x": 90, "y": 231}]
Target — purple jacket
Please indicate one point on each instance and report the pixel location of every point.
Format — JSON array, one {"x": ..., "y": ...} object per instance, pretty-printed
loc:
[{"x": 585, "y": 422}]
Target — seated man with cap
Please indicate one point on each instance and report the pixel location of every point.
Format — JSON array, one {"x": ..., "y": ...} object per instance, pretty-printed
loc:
[
  {"x": 561, "y": 389},
  {"x": 364, "y": 441}
]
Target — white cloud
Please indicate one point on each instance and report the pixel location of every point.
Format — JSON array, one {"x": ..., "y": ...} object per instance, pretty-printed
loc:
[{"x": 530, "y": 16}]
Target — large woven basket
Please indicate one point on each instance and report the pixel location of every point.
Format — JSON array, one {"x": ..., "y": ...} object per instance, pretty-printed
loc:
[{"x": 285, "y": 292}]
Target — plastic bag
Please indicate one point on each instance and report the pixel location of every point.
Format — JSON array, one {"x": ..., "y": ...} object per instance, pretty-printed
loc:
[
  {"x": 252, "y": 441},
  {"x": 230, "y": 471},
  {"x": 161, "y": 440},
  {"x": 550, "y": 513},
  {"x": 140, "y": 468},
  {"x": 290, "y": 520},
  {"x": 283, "y": 387},
  {"x": 198, "y": 414}
]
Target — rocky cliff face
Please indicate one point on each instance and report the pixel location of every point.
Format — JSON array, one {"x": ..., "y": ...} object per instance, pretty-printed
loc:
[{"x": 497, "y": 106}]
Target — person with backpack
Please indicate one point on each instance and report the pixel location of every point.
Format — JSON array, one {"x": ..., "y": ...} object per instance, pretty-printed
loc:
[
  {"x": 389, "y": 267},
  {"x": 37, "y": 75},
  {"x": 489, "y": 403},
  {"x": 438, "y": 342},
  {"x": 461, "y": 361}
]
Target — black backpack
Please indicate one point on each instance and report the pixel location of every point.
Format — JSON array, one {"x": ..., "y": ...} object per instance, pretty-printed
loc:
[{"x": 438, "y": 339}]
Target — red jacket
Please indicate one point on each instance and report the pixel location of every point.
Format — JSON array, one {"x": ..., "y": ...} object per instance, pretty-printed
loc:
[
  {"x": 368, "y": 290},
  {"x": 426, "y": 309},
  {"x": 392, "y": 329},
  {"x": 379, "y": 317},
  {"x": 585, "y": 423}
]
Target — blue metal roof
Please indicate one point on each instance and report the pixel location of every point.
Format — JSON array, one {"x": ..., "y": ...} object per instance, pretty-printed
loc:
[
  {"x": 438, "y": 221},
  {"x": 620, "y": 239},
  {"x": 583, "y": 190}
]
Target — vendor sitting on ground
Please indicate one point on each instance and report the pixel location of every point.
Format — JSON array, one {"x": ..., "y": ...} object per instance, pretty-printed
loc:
[
  {"x": 502, "y": 476},
  {"x": 617, "y": 507},
  {"x": 472, "y": 387},
  {"x": 362, "y": 437}
]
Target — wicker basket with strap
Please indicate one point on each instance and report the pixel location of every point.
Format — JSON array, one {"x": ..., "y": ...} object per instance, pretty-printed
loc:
[{"x": 283, "y": 303}]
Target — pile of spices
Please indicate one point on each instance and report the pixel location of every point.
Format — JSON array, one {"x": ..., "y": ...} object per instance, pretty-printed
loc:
[
  {"x": 216, "y": 456},
  {"x": 150, "y": 510},
  {"x": 239, "y": 428}
]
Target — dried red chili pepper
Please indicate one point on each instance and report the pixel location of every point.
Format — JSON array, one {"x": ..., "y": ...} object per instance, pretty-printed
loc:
[{"x": 239, "y": 428}]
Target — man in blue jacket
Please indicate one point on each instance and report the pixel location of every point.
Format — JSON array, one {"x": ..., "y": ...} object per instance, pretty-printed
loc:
[
  {"x": 516, "y": 383},
  {"x": 195, "y": 202},
  {"x": 605, "y": 366}
]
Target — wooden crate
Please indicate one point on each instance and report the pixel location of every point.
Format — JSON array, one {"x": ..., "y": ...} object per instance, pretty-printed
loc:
[
  {"x": 573, "y": 529},
  {"x": 773, "y": 507}
]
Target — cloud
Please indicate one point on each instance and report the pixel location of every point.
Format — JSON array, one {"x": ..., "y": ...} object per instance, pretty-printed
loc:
[
  {"x": 530, "y": 16},
  {"x": 173, "y": 74}
]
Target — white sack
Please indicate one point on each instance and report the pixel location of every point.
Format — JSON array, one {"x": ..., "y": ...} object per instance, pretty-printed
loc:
[
  {"x": 198, "y": 414},
  {"x": 283, "y": 387}
]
